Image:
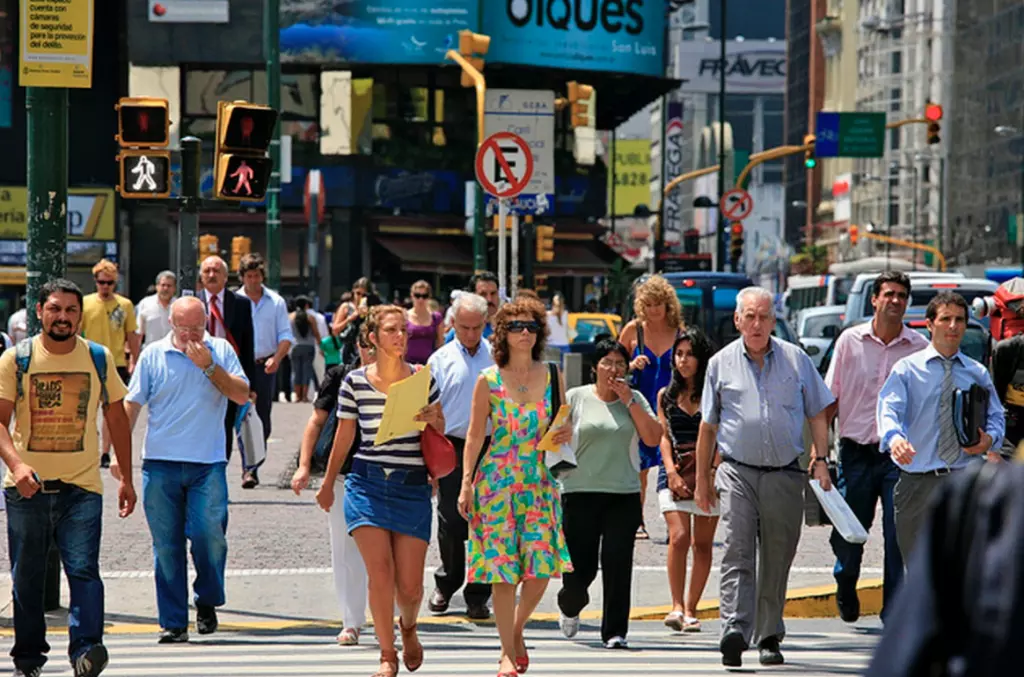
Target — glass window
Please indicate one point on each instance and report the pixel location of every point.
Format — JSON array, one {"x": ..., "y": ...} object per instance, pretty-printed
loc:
[
  {"x": 590, "y": 331},
  {"x": 821, "y": 326}
]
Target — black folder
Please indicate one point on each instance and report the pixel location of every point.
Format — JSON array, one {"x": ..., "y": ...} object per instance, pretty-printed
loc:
[{"x": 970, "y": 412}]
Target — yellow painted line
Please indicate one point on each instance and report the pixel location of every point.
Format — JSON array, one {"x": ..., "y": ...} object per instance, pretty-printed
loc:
[{"x": 813, "y": 602}]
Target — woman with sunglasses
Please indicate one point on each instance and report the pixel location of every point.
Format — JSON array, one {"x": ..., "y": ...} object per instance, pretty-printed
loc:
[
  {"x": 426, "y": 328},
  {"x": 601, "y": 504},
  {"x": 511, "y": 501},
  {"x": 387, "y": 491},
  {"x": 679, "y": 412}
]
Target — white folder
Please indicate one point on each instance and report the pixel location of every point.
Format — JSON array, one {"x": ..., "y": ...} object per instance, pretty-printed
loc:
[{"x": 839, "y": 511}]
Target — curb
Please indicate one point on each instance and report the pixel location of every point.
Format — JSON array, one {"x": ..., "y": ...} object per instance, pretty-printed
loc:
[{"x": 813, "y": 602}]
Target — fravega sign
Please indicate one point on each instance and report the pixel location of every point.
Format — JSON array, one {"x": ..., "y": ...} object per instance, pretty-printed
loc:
[{"x": 751, "y": 66}]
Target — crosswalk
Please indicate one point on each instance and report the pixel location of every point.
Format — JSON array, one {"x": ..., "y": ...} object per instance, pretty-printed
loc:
[{"x": 455, "y": 650}]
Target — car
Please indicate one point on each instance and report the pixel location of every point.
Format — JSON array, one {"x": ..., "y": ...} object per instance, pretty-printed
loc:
[
  {"x": 782, "y": 331},
  {"x": 858, "y": 302},
  {"x": 817, "y": 327},
  {"x": 587, "y": 327}
]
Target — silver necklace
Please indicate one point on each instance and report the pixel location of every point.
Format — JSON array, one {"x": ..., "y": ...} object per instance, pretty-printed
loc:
[{"x": 522, "y": 388}]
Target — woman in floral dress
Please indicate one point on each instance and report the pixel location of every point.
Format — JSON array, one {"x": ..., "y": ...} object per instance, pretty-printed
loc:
[{"x": 511, "y": 501}]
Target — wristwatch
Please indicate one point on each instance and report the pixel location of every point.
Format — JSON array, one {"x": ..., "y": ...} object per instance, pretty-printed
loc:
[{"x": 208, "y": 372}]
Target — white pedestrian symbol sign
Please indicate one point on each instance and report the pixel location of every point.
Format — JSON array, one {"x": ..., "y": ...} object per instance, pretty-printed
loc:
[{"x": 144, "y": 171}]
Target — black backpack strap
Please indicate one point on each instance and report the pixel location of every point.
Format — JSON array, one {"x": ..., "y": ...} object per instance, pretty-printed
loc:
[
  {"x": 556, "y": 391},
  {"x": 640, "y": 346}
]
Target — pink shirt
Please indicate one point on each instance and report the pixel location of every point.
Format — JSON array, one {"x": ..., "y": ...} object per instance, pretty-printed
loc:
[{"x": 859, "y": 367}]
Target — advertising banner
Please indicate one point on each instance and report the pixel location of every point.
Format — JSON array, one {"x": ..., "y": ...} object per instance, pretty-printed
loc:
[
  {"x": 374, "y": 31},
  {"x": 56, "y": 43},
  {"x": 672, "y": 227},
  {"x": 751, "y": 66},
  {"x": 90, "y": 213},
  {"x": 632, "y": 176},
  {"x": 624, "y": 36}
]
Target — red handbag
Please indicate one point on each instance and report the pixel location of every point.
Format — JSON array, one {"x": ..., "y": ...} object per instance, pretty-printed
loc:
[{"x": 438, "y": 453}]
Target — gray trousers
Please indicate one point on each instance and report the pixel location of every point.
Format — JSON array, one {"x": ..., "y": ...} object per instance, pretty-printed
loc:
[
  {"x": 762, "y": 515},
  {"x": 913, "y": 499}
]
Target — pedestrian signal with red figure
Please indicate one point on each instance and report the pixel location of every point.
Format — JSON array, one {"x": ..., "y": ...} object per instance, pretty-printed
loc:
[{"x": 244, "y": 133}]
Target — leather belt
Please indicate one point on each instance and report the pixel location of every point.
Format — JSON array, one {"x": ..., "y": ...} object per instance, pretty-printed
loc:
[{"x": 53, "y": 486}]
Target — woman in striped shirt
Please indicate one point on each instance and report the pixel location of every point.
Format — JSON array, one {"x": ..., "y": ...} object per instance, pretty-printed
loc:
[{"x": 387, "y": 492}]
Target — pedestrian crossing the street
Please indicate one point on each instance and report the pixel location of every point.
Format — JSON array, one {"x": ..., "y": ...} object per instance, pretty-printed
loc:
[{"x": 456, "y": 650}]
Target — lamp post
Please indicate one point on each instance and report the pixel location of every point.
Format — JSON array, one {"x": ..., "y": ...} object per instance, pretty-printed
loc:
[{"x": 1011, "y": 131}]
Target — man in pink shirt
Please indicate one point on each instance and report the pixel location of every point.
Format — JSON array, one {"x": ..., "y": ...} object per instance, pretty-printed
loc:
[{"x": 863, "y": 357}]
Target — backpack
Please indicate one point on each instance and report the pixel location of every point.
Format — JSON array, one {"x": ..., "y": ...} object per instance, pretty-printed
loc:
[{"x": 23, "y": 358}]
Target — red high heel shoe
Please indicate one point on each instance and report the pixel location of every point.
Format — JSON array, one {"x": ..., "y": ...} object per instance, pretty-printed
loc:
[{"x": 523, "y": 662}]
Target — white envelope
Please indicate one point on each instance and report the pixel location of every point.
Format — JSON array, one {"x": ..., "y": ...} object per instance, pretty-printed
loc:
[{"x": 839, "y": 511}]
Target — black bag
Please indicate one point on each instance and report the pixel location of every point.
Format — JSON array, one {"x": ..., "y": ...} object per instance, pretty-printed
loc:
[
  {"x": 325, "y": 441},
  {"x": 634, "y": 378},
  {"x": 970, "y": 413}
]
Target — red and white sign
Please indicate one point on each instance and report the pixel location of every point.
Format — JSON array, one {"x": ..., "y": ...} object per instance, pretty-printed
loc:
[
  {"x": 737, "y": 204},
  {"x": 504, "y": 165},
  {"x": 314, "y": 186}
]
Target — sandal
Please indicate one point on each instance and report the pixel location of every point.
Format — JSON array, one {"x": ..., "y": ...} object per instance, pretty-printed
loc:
[
  {"x": 389, "y": 657},
  {"x": 522, "y": 661},
  {"x": 348, "y": 637},
  {"x": 412, "y": 650},
  {"x": 641, "y": 533},
  {"x": 691, "y": 624},
  {"x": 675, "y": 620}
]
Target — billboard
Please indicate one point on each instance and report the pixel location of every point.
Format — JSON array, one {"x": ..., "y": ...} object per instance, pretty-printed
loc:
[
  {"x": 751, "y": 66},
  {"x": 624, "y": 36},
  {"x": 374, "y": 31},
  {"x": 672, "y": 225},
  {"x": 632, "y": 176}
]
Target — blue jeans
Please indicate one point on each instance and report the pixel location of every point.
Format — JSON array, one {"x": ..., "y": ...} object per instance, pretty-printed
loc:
[
  {"x": 73, "y": 517},
  {"x": 865, "y": 476},
  {"x": 186, "y": 500}
]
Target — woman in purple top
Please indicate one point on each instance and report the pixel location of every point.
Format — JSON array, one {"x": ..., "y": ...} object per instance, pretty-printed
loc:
[{"x": 425, "y": 328}]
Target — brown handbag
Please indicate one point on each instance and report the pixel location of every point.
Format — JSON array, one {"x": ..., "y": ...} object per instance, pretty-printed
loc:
[{"x": 684, "y": 457}]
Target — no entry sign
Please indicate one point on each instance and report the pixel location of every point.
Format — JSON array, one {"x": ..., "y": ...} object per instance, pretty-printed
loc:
[
  {"x": 737, "y": 204},
  {"x": 504, "y": 164}
]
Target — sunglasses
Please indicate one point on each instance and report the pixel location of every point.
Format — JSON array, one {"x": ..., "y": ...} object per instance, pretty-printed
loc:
[
  {"x": 516, "y": 326},
  {"x": 106, "y": 282},
  {"x": 418, "y": 295}
]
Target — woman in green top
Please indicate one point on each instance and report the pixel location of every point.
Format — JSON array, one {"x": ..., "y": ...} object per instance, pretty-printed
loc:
[{"x": 601, "y": 505}]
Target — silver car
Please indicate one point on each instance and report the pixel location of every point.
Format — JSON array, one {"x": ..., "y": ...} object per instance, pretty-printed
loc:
[{"x": 817, "y": 327}]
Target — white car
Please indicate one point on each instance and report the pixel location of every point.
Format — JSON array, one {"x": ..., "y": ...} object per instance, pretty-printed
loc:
[{"x": 816, "y": 328}]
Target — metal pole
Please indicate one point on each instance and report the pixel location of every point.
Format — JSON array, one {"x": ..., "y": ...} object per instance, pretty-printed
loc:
[
  {"x": 530, "y": 247},
  {"x": 615, "y": 180},
  {"x": 888, "y": 215},
  {"x": 272, "y": 53},
  {"x": 721, "y": 230},
  {"x": 188, "y": 217},
  {"x": 942, "y": 203},
  {"x": 502, "y": 252},
  {"x": 479, "y": 215},
  {"x": 46, "y": 246},
  {"x": 913, "y": 224},
  {"x": 1020, "y": 217},
  {"x": 313, "y": 243},
  {"x": 514, "y": 272}
]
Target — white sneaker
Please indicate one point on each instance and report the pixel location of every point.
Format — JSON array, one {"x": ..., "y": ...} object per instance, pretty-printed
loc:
[
  {"x": 616, "y": 643},
  {"x": 569, "y": 626}
]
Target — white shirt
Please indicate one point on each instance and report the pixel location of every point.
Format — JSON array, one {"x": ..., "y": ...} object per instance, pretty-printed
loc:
[
  {"x": 558, "y": 333},
  {"x": 321, "y": 322},
  {"x": 153, "y": 319},
  {"x": 17, "y": 325}
]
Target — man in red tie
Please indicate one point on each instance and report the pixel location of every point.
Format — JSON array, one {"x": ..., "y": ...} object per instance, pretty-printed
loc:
[{"x": 230, "y": 318}]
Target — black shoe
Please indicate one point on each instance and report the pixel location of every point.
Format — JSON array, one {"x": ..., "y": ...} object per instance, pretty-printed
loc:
[
  {"x": 250, "y": 480},
  {"x": 477, "y": 611},
  {"x": 174, "y": 636},
  {"x": 732, "y": 646},
  {"x": 206, "y": 619},
  {"x": 848, "y": 603},
  {"x": 32, "y": 672},
  {"x": 769, "y": 651},
  {"x": 92, "y": 662},
  {"x": 105, "y": 461},
  {"x": 437, "y": 603}
]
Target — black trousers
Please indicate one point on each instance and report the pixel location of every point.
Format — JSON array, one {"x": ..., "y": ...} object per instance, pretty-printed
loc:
[
  {"x": 600, "y": 527},
  {"x": 452, "y": 533}
]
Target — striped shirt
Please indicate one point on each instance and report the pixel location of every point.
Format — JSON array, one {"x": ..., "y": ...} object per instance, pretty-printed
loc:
[{"x": 359, "y": 400}]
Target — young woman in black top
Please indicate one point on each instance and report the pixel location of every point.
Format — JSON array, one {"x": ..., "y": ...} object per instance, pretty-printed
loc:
[{"x": 679, "y": 412}]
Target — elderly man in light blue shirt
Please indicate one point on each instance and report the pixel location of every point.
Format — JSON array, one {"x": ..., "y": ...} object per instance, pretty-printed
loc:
[
  {"x": 186, "y": 379},
  {"x": 915, "y": 416},
  {"x": 758, "y": 391},
  {"x": 456, "y": 366}
]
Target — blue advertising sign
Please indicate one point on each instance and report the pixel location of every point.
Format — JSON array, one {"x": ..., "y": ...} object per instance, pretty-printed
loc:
[
  {"x": 625, "y": 36},
  {"x": 375, "y": 31}
]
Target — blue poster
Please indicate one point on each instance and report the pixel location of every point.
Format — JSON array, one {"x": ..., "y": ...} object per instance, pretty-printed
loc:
[
  {"x": 624, "y": 36},
  {"x": 375, "y": 31}
]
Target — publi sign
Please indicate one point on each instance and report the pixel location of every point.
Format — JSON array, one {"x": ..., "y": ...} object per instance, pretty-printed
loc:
[
  {"x": 56, "y": 43},
  {"x": 629, "y": 178},
  {"x": 624, "y": 36},
  {"x": 530, "y": 115}
]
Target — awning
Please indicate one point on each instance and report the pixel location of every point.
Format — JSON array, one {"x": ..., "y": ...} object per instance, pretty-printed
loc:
[
  {"x": 574, "y": 259},
  {"x": 430, "y": 255}
]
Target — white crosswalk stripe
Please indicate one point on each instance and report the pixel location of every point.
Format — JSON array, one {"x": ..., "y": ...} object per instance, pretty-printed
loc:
[{"x": 457, "y": 651}]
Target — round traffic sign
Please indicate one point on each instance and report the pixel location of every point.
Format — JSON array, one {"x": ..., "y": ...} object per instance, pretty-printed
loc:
[
  {"x": 504, "y": 164},
  {"x": 737, "y": 204}
]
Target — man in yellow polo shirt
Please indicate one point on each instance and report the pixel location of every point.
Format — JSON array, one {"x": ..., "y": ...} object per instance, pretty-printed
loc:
[{"x": 109, "y": 319}]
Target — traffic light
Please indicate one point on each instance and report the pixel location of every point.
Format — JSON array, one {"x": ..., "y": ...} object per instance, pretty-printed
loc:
[
  {"x": 473, "y": 46},
  {"x": 933, "y": 113},
  {"x": 853, "y": 232},
  {"x": 545, "y": 243},
  {"x": 143, "y": 132},
  {"x": 581, "y": 105},
  {"x": 240, "y": 246},
  {"x": 241, "y": 165},
  {"x": 208, "y": 246},
  {"x": 810, "y": 161},
  {"x": 736, "y": 243}
]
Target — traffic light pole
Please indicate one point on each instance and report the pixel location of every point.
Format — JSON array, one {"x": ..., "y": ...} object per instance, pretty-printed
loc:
[
  {"x": 188, "y": 216},
  {"x": 272, "y": 52},
  {"x": 312, "y": 244},
  {"x": 46, "y": 255},
  {"x": 721, "y": 230}
]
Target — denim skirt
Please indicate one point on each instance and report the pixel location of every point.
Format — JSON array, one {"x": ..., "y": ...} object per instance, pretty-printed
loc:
[{"x": 395, "y": 500}]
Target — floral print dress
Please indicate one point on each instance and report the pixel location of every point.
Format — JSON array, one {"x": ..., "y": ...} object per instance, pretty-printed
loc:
[{"x": 515, "y": 527}]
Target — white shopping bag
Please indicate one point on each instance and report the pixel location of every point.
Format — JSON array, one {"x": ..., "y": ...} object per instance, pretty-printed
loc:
[
  {"x": 839, "y": 511},
  {"x": 249, "y": 433}
]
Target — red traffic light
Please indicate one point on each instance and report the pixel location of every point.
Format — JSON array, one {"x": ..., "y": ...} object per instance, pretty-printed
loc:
[
  {"x": 143, "y": 122},
  {"x": 933, "y": 112},
  {"x": 737, "y": 229},
  {"x": 246, "y": 127},
  {"x": 243, "y": 178}
]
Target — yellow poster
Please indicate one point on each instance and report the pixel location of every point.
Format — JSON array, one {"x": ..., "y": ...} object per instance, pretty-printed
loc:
[
  {"x": 632, "y": 177},
  {"x": 56, "y": 43},
  {"x": 90, "y": 213}
]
